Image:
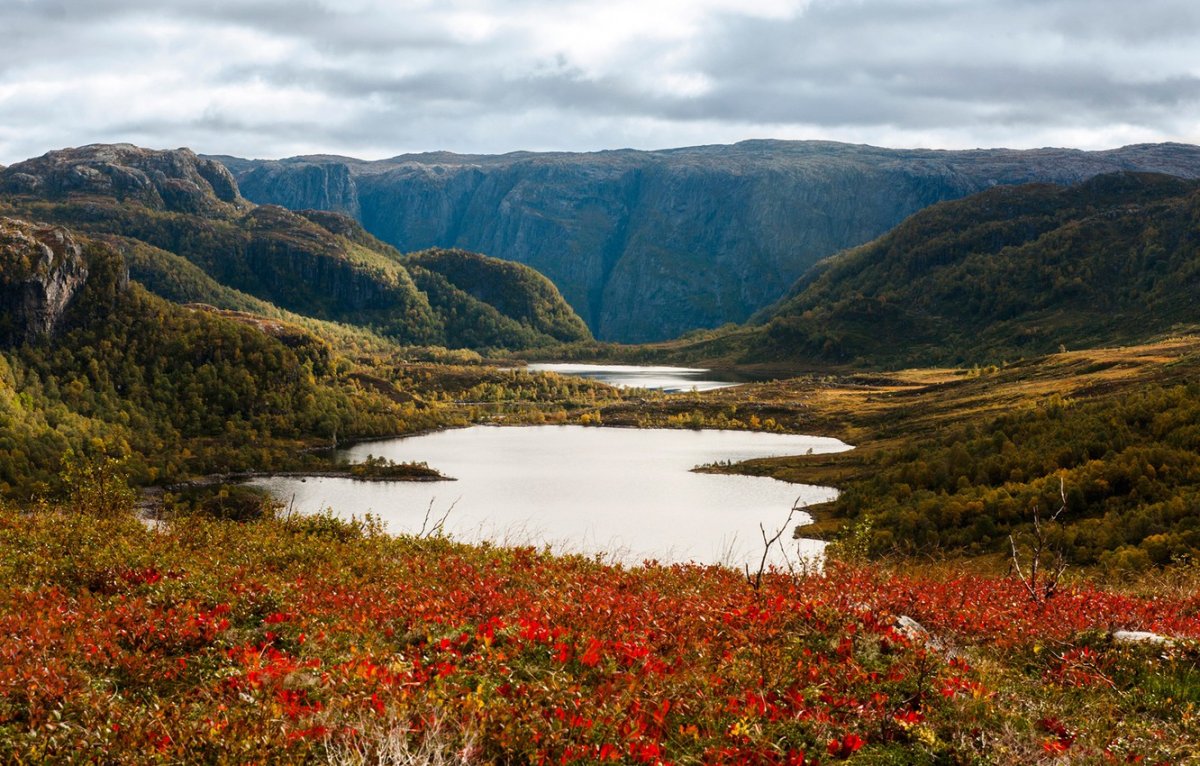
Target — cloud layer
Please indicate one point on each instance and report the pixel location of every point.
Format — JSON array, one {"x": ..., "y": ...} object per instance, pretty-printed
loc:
[{"x": 373, "y": 78}]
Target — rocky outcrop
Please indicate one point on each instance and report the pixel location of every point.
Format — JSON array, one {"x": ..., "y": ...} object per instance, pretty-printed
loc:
[
  {"x": 192, "y": 237},
  {"x": 647, "y": 245},
  {"x": 176, "y": 180},
  {"x": 41, "y": 269},
  {"x": 320, "y": 186}
]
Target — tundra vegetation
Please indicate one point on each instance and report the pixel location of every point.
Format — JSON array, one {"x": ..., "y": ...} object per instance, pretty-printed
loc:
[{"x": 1013, "y": 577}]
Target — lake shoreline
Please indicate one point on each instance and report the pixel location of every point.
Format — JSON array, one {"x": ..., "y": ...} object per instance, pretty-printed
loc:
[
  {"x": 149, "y": 503},
  {"x": 623, "y": 490}
]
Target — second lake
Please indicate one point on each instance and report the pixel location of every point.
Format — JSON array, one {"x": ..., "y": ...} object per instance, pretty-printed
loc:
[
  {"x": 669, "y": 379},
  {"x": 626, "y": 493}
]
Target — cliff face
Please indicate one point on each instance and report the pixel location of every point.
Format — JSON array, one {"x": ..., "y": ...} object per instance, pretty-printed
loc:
[
  {"x": 1010, "y": 272},
  {"x": 647, "y": 245},
  {"x": 162, "y": 207},
  {"x": 177, "y": 181},
  {"x": 315, "y": 186},
  {"x": 41, "y": 269}
]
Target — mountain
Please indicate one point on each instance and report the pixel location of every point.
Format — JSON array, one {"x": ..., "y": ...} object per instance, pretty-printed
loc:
[
  {"x": 648, "y": 245},
  {"x": 164, "y": 206},
  {"x": 108, "y": 370},
  {"x": 172, "y": 180},
  {"x": 486, "y": 300},
  {"x": 1009, "y": 272}
]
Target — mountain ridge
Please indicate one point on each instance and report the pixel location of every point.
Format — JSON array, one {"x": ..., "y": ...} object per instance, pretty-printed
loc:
[
  {"x": 647, "y": 245},
  {"x": 1005, "y": 273},
  {"x": 317, "y": 264}
]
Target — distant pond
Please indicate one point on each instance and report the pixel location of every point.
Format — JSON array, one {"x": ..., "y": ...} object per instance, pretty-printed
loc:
[
  {"x": 670, "y": 379},
  {"x": 628, "y": 493}
]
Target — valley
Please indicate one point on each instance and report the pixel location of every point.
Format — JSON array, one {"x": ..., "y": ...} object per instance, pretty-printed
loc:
[
  {"x": 646, "y": 246},
  {"x": 991, "y": 359}
]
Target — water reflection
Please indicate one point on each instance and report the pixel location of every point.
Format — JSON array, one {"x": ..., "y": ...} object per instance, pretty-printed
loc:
[
  {"x": 670, "y": 379},
  {"x": 625, "y": 492}
]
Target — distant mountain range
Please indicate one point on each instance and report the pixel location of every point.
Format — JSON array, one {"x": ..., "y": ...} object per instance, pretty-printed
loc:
[
  {"x": 186, "y": 233},
  {"x": 1010, "y": 271},
  {"x": 649, "y": 245}
]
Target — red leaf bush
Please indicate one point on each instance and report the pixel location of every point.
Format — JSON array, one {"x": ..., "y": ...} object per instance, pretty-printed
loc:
[{"x": 271, "y": 643}]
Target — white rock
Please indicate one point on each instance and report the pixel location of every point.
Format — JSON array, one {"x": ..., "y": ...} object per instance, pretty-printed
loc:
[{"x": 1139, "y": 637}]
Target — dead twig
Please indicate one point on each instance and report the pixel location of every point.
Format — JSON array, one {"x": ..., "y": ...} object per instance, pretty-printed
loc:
[
  {"x": 439, "y": 526},
  {"x": 1043, "y": 578},
  {"x": 755, "y": 580}
]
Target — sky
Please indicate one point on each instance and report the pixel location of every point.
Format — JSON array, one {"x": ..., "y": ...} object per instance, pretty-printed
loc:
[{"x": 373, "y": 78}]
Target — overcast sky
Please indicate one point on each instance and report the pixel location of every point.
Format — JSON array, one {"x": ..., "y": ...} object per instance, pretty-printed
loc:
[{"x": 371, "y": 78}]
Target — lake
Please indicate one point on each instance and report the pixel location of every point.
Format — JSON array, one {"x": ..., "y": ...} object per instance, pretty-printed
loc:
[
  {"x": 670, "y": 379},
  {"x": 628, "y": 493}
]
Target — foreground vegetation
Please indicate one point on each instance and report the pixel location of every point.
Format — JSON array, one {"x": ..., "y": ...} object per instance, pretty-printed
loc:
[{"x": 313, "y": 640}]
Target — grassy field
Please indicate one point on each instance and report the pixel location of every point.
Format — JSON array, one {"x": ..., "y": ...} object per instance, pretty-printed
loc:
[{"x": 886, "y": 415}]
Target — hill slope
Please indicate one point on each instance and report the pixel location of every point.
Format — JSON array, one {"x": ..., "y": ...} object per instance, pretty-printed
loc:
[
  {"x": 319, "y": 265},
  {"x": 109, "y": 370},
  {"x": 484, "y": 301},
  {"x": 648, "y": 245},
  {"x": 1009, "y": 272}
]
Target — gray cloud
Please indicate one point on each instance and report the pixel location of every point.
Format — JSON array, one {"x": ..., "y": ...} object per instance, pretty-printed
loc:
[{"x": 374, "y": 78}]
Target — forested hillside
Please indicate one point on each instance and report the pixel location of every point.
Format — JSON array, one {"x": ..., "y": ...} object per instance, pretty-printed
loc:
[
  {"x": 1007, "y": 273},
  {"x": 168, "y": 390},
  {"x": 165, "y": 204},
  {"x": 646, "y": 246}
]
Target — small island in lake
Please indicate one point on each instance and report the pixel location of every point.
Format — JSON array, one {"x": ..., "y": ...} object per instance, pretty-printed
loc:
[{"x": 382, "y": 469}]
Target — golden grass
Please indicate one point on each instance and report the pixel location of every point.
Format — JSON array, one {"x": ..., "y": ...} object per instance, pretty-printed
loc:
[{"x": 883, "y": 411}]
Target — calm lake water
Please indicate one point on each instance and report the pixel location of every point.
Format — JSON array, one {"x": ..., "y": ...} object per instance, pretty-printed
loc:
[
  {"x": 625, "y": 492},
  {"x": 669, "y": 379}
]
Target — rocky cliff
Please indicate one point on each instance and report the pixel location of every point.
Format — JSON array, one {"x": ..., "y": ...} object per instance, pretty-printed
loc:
[
  {"x": 177, "y": 180},
  {"x": 647, "y": 245},
  {"x": 41, "y": 269},
  {"x": 1010, "y": 272},
  {"x": 325, "y": 186},
  {"x": 160, "y": 206}
]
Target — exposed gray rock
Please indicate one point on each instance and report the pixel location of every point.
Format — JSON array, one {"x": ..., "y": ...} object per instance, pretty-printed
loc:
[
  {"x": 647, "y": 245},
  {"x": 1140, "y": 637},
  {"x": 308, "y": 186},
  {"x": 176, "y": 180},
  {"x": 41, "y": 269},
  {"x": 917, "y": 633}
]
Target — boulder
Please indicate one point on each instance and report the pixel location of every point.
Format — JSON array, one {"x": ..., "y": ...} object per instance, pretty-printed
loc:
[{"x": 1140, "y": 637}]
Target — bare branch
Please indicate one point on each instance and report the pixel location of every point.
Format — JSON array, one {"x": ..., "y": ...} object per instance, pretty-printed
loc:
[
  {"x": 1016, "y": 560},
  {"x": 1042, "y": 585},
  {"x": 1062, "y": 493},
  {"x": 755, "y": 581},
  {"x": 439, "y": 526}
]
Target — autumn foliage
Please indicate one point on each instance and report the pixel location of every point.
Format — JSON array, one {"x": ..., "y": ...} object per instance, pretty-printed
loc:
[{"x": 322, "y": 641}]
